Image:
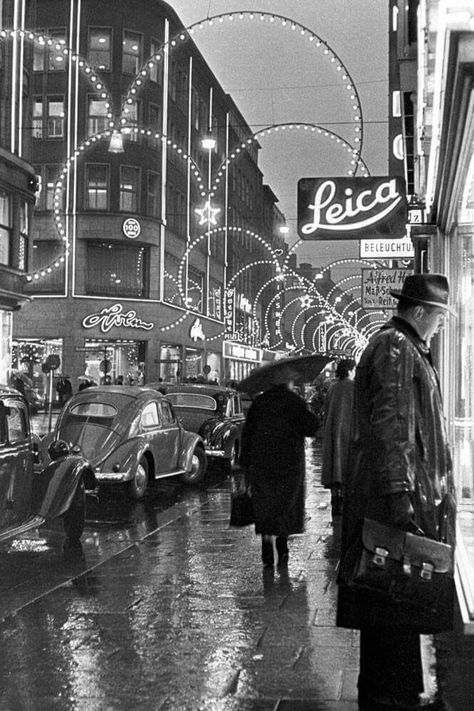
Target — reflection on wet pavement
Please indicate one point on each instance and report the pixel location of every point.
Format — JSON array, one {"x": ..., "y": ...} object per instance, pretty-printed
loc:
[{"x": 180, "y": 615}]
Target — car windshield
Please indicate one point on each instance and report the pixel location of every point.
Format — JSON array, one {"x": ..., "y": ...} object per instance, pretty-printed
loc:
[
  {"x": 90, "y": 426},
  {"x": 193, "y": 400}
]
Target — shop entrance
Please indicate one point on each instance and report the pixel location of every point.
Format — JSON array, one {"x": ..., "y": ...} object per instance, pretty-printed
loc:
[{"x": 120, "y": 362}]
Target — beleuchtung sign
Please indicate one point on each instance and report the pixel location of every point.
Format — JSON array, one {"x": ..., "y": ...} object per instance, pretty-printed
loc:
[
  {"x": 386, "y": 248},
  {"x": 351, "y": 208}
]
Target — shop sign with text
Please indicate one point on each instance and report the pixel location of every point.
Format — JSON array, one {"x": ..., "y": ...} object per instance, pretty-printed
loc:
[
  {"x": 387, "y": 248},
  {"x": 376, "y": 285},
  {"x": 229, "y": 314},
  {"x": 241, "y": 352},
  {"x": 114, "y": 316},
  {"x": 351, "y": 208}
]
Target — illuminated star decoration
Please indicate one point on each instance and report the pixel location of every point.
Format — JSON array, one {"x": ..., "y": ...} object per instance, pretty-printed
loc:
[
  {"x": 306, "y": 300},
  {"x": 207, "y": 214}
]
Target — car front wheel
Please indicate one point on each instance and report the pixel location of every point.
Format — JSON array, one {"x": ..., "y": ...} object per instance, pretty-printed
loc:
[
  {"x": 138, "y": 485},
  {"x": 73, "y": 519},
  {"x": 198, "y": 467}
]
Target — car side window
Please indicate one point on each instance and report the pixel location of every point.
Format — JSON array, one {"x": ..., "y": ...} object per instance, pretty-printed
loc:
[
  {"x": 167, "y": 414},
  {"x": 16, "y": 422},
  {"x": 237, "y": 405},
  {"x": 150, "y": 418}
]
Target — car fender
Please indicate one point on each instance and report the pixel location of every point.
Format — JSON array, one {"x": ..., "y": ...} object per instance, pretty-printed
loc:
[
  {"x": 54, "y": 487},
  {"x": 128, "y": 455},
  {"x": 189, "y": 442},
  {"x": 219, "y": 433}
]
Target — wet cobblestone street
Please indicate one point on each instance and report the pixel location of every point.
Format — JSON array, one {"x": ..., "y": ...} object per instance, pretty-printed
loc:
[{"x": 185, "y": 618}]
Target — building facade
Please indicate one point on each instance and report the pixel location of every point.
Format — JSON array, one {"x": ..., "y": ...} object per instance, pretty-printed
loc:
[
  {"x": 17, "y": 183},
  {"x": 436, "y": 52},
  {"x": 151, "y": 228}
]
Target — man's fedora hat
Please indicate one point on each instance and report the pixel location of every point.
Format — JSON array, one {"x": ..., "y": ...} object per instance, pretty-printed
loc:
[{"x": 429, "y": 289}]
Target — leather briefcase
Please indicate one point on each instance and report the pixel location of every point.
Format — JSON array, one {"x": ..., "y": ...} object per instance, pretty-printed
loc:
[{"x": 402, "y": 569}]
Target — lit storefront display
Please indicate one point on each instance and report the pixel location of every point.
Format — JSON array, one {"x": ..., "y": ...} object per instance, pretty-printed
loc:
[
  {"x": 5, "y": 344},
  {"x": 240, "y": 360}
]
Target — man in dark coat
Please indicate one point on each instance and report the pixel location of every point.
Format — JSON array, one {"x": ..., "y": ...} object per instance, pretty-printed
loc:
[
  {"x": 337, "y": 430},
  {"x": 272, "y": 454},
  {"x": 401, "y": 468}
]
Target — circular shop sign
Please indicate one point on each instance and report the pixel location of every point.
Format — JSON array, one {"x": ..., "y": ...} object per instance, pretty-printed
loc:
[{"x": 131, "y": 228}]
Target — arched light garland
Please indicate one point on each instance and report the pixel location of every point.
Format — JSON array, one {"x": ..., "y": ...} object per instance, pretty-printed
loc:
[
  {"x": 60, "y": 185},
  {"x": 356, "y": 160}
]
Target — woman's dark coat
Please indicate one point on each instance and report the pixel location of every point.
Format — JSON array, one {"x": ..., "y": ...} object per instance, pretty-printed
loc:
[
  {"x": 399, "y": 444},
  {"x": 272, "y": 454},
  {"x": 337, "y": 430}
]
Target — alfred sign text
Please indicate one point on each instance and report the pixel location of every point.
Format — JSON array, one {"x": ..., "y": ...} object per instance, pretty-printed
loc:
[
  {"x": 351, "y": 208},
  {"x": 376, "y": 285}
]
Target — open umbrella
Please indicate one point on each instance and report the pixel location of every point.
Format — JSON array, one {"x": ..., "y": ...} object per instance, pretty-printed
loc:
[{"x": 298, "y": 368}]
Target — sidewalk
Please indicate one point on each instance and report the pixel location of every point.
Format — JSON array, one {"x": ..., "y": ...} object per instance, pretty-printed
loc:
[{"x": 186, "y": 619}]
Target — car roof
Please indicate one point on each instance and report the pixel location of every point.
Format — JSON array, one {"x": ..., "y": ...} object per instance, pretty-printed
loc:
[
  {"x": 132, "y": 391},
  {"x": 201, "y": 388},
  {"x": 7, "y": 391}
]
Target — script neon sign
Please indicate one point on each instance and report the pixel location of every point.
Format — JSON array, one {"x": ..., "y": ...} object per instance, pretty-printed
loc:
[
  {"x": 328, "y": 208},
  {"x": 114, "y": 316}
]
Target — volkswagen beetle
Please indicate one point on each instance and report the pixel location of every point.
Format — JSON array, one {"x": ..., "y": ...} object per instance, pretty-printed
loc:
[
  {"x": 215, "y": 412},
  {"x": 131, "y": 436},
  {"x": 30, "y": 493}
]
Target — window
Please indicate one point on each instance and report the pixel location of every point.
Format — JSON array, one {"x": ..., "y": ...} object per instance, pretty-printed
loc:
[
  {"x": 38, "y": 57},
  {"x": 37, "y": 117},
  {"x": 167, "y": 415},
  {"x": 97, "y": 187},
  {"x": 195, "y": 289},
  {"x": 129, "y": 185},
  {"x": 153, "y": 194},
  {"x": 55, "y": 118},
  {"x": 215, "y": 299},
  {"x": 199, "y": 402},
  {"x": 117, "y": 270},
  {"x": 149, "y": 419},
  {"x": 132, "y": 52},
  {"x": 5, "y": 227},
  {"x": 97, "y": 120},
  {"x": 155, "y": 123},
  {"x": 155, "y": 70},
  {"x": 99, "y": 52},
  {"x": 16, "y": 422},
  {"x": 57, "y": 58},
  {"x": 47, "y": 257},
  {"x": 132, "y": 115},
  {"x": 52, "y": 173}
]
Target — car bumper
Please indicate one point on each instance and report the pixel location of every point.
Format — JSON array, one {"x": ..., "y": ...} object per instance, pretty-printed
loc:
[
  {"x": 215, "y": 453},
  {"x": 112, "y": 477}
]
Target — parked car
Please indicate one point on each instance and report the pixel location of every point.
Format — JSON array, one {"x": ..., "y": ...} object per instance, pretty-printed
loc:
[
  {"x": 30, "y": 492},
  {"x": 214, "y": 412},
  {"x": 131, "y": 436}
]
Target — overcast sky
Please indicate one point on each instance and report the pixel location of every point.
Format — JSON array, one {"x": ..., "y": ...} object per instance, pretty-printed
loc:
[{"x": 275, "y": 75}]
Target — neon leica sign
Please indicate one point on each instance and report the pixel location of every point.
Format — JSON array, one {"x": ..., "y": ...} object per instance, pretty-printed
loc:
[{"x": 351, "y": 208}]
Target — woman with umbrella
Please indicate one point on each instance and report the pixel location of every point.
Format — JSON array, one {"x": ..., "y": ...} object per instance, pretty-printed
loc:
[{"x": 272, "y": 454}]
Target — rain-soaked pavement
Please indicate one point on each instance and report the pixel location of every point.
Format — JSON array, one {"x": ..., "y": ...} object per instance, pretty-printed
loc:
[{"x": 168, "y": 609}]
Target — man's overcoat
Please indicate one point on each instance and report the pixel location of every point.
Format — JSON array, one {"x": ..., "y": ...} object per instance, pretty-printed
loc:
[
  {"x": 337, "y": 429},
  {"x": 399, "y": 444},
  {"x": 272, "y": 454}
]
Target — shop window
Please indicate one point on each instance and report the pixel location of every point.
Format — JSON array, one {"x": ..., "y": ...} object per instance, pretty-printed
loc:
[
  {"x": 116, "y": 270},
  {"x": 55, "y": 117},
  {"x": 5, "y": 227},
  {"x": 153, "y": 194},
  {"x": 99, "y": 53},
  {"x": 97, "y": 187},
  {"x": 129, "y": 188},
  {"x": 47, "y": 257},
  {"x": 97, "y": 120},
  {"x": 131, "y": 52}
]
